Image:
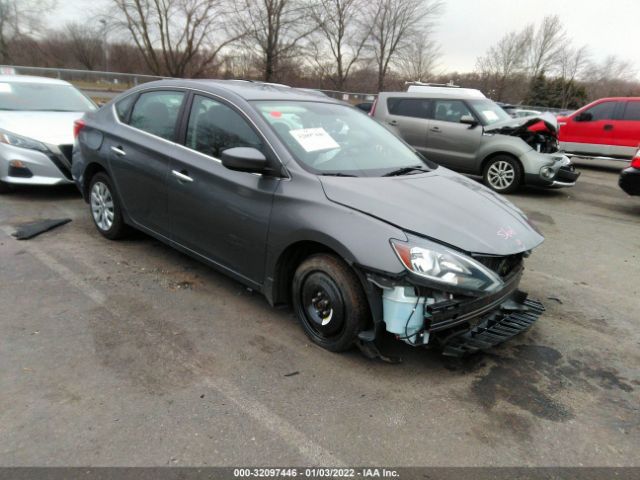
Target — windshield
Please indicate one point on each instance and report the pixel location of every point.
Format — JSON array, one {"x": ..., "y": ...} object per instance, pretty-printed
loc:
[
  {"x": 489, "y": 112},
  {"x": 42, "y": 97},
  {"x": 331, "y": 139}
]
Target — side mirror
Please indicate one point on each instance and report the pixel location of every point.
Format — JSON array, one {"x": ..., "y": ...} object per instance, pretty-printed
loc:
[
  {"x": 468, "y": 120},
  {"x": 244, "y": 159},
  {"x": 584, "y": 117}
]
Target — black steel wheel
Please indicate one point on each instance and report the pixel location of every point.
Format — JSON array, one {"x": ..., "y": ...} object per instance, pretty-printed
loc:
[{"x": 329, "y": 302}]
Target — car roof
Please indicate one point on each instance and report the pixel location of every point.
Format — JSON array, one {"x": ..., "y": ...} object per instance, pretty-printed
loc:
[
  {"x": 246, "y": 89},
  {"x": 455, "y": 94},
  {"x": 31, "y": 79}
]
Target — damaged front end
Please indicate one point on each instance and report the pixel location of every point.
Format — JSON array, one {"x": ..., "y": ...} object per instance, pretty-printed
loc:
[
  {"x": 539, "y": 132},
  {"x": 460, "y": 304}
]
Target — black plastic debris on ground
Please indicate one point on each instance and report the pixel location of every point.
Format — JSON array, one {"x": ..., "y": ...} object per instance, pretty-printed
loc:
[{"x": 32, "y": 229}]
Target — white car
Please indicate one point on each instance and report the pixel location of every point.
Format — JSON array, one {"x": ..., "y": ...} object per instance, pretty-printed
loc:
[{"x": 36, "y": 129}]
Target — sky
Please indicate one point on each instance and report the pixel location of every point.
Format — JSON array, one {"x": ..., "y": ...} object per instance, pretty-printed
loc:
[{"x": 467, "y": 28}]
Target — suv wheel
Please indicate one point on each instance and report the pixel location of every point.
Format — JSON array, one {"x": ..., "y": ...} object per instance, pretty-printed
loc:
[
  {"x": 503, "y": 174},
  {"x": 105, "y": 208},
  {"x": 329, "y": 302}
]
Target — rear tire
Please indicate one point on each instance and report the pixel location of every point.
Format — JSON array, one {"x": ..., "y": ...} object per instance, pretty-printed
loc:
[
  {"x": 105, "y": 208},
  {"x": 329, "y": 302},
  {"x": 503, "y": 174}
]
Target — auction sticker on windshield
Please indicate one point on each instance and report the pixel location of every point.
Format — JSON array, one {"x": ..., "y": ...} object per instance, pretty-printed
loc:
[
  {"x": 5, "y": 88},
  {"x": 314, "y": 139}
]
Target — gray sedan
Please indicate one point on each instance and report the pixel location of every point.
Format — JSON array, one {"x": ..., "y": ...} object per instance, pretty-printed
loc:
[
  {"x": 36, "y": 129},
  {"x": 312, "y": 203}
]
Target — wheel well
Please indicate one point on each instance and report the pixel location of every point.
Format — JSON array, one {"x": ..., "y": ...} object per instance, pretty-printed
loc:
[
  {"x": 288, "y": 263},
  {"x": 506, "y": 154},
  {"x": 89, "y": 173}
]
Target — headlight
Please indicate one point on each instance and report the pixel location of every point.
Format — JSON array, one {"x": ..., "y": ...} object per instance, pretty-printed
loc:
[
  {"x": 445, "y": 266},
  {"x": 22, "y": 142}
]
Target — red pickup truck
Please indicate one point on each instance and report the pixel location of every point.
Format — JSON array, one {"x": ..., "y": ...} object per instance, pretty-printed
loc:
[{"x": 609, "y": 127}]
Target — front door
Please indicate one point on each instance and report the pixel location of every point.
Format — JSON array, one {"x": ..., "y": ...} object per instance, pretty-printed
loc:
[
  {"x": 451, "y": 143},
  {"x": 220, "y": 214}
]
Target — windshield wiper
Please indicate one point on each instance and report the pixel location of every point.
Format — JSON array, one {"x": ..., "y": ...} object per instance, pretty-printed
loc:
[
  {"x": 404, "y": 171},
  {"x": 337, "y": 174}
]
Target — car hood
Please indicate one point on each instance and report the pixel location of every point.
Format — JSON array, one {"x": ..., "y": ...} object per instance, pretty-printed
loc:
[
  {"x": 518, "y": 125},
  {"x": 441, "y": 205},
  {"x": 55, "y": 128}
]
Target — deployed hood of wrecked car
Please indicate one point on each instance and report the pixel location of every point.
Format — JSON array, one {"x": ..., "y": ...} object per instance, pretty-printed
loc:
[
  {"x": 441, "y": 205},
  {"x": 519, "y": 125}
]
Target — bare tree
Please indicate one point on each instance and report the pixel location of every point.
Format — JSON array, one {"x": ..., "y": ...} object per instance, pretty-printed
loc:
[
  {"x": 506, "y": 59},
  {"x": 274, "y": 29},
  {"x": 19, "y": 18},
  {"x": 546, "y": 46},
  {"x": 85, "y": 44},
  {"x": 342, "y": 37},
  {"x": 176, "y": 37},
  {"x": 572, "y": 63},
  {"x": 419, "y": 59},
  {"x": 394, "y": 23}
]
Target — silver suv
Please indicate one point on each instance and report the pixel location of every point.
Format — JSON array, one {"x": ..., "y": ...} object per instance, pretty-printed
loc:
[{"x": 473, "y": 135}]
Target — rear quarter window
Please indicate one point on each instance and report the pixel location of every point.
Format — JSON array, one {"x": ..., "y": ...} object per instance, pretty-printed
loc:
[
  {"x": 632, "y": 111},
  {"x": 123, "y": 106}
]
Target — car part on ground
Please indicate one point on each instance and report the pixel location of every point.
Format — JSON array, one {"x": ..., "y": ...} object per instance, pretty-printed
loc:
[
  {"x": 33, "y": 229},
  {"x": 476, "y": 136},
  {"x": 630, "y": 177},
  {"x": 281, "y": 189},
  {"x": 36, "y": 129}
]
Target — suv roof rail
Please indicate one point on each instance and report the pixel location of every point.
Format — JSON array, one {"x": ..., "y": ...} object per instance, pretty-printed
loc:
[{"x": 425, "y": 84}]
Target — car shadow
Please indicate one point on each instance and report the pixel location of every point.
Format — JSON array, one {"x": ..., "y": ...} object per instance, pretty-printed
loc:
[{"x": 40, "y": 192}]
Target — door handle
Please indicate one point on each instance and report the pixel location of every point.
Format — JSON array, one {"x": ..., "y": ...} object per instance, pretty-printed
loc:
[
  {"x": 118, "y": 151},
  {"x": 393, "y": 123},
  {"x": 608, "y": 127},
  {"x": 435, "y": 129},
  {"x": 183, "y": 177}
]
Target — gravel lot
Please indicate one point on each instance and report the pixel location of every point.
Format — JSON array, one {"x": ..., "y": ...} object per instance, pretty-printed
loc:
[{"x": 129, "y": 353}]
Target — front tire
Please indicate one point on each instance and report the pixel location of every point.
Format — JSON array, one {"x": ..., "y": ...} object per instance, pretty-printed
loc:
[
  {"x": 503, "y": 174},
  {"x": 329, "y": 302},
  {"x": 105, "y": 208}
]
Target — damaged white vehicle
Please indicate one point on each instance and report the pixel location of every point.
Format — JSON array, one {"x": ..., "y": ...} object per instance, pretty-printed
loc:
[{"x": 476, "y": 136}]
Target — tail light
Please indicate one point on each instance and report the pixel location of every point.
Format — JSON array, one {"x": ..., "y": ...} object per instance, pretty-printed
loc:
[
  {"x": 635, "y": 162},
  {"x": 77, "y": 126},
  {"x": 373, "y": 108}
]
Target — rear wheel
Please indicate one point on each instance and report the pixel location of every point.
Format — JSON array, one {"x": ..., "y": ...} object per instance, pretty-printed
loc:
[
  {"x": 503, "y": 174},
  {"x": 329, "y": 302},
  {"x": 105, "y": 207}
]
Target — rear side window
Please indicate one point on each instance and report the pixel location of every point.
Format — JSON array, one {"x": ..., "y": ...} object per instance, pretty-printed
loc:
[
  {"x": 123, "y": 107},
  {"x": 602, "y": 111},
  {"x": 632, "y": 112},
  {"x": 450, "y": 110},
  {"x": 157, "y": 112},
  {"x": 409, "y": 107},
  {"x": 214, "y": 127}
]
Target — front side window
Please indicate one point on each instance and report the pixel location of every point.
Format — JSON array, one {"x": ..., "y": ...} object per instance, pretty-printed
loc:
[
  {"x": 214, "y": 127},
  {"x": 42, "y": 97},
  {"x": 450, "y": 110},
  {"x": 489, "y": 111},
  {"x": 602, "y": 111},
  {"x": 409, "y": 107},
  {"x": 331, "y": 139},
  {"x": 632, "y": 112},
  {"x": 157, "y": 112}
]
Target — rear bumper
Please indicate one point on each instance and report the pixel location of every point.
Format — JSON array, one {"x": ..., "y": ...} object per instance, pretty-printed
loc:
[{"x": 630, "y": 181}]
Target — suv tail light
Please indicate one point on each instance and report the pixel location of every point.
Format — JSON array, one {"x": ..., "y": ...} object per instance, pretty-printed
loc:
[
  {"x": 373, "y": 108},
  {"x": 635, "y": 162},
  {"x": 77, "y": 126}
]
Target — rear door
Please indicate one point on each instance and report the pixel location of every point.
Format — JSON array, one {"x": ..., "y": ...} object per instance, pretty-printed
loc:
[
  {"x": 410, "y": 118},
  {"x": 590, "y": 131},
  {"x": 221, "y": 214},
  {"x": 140, "y": 150},
  {"x": 626, "y": 131},
  {"x": 449, "y": 142}
]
